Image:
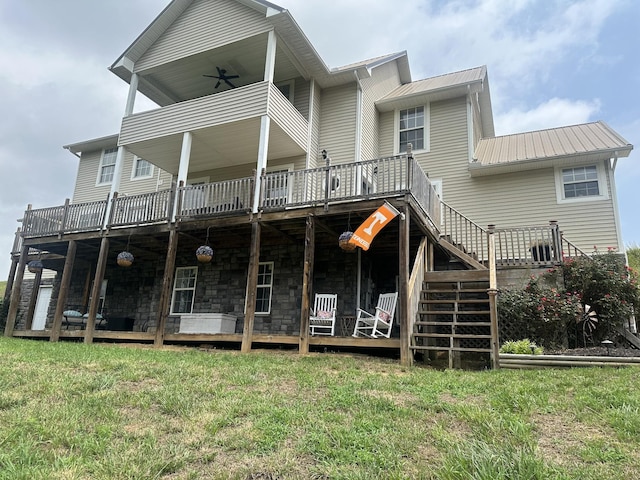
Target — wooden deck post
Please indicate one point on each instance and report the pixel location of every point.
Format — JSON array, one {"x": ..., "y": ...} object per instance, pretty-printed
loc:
[
  {"x": 167, "y": 281},
  {"x": 16, "y": 291},
  {"x": 65, "y": 281},
  {"x": 35, "y": 290},
  {"x": 403, "y": 273},
  {"x": 95, "y": 290},
  {"x": 252, "y": 285},
  {"x": 493, "y": 294},
  {"x": 10, "y": 279},
  {"x": 307, "y": 283}
]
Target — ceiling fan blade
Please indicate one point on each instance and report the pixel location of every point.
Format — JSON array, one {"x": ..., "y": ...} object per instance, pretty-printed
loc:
[
  {"x": 229, "y": 83},
  {"x": 232, "y": 76},
  {"x": 217, "y": 84},
  {"x": 210, "y": 76}
]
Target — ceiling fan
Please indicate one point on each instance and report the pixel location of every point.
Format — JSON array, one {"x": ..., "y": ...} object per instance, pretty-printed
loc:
[{"x": 223, "y": 77}]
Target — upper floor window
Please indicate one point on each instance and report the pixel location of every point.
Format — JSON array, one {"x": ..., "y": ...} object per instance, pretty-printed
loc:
[
  {"x": 107, "y": 166},
  {"x": 286, "y": 88},
  {"x": 412, "y": 129},
  {"x": 184, "y": 290},
  {"x": 580, "y": 183},
  {"x": 141, "y": 169}
]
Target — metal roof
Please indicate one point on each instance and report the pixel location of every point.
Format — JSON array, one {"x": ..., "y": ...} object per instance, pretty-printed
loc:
[
  {"x": 551, "y": 143},
  {"x": 449, "y": 80}
]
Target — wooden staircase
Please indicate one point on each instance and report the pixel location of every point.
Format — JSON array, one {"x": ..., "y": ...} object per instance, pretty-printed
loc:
[{"x": 454, "y": 319}]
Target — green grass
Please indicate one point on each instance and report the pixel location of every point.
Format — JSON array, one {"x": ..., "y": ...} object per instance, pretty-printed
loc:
[{"x": 75, "y": 411}]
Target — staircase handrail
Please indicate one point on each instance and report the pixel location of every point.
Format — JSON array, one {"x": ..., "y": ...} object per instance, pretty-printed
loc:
[
  {"x": 416, "y": 280},
  {"x": 464, "y": 234}
]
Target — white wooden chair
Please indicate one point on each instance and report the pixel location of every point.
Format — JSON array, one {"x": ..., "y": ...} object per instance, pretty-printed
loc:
[
  {"x": 378, "y": 324},
  {"x": 322, "y": 320}
]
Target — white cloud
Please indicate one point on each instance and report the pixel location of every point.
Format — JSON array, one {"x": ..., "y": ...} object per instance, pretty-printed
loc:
[{"x": 552, "y": 113}]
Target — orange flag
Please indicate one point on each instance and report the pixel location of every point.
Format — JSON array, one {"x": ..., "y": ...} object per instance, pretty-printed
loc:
[{"x": 365, "y": 233}]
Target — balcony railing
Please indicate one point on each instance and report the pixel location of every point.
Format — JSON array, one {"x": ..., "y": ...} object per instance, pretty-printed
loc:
[
  {"x": 539, "y": 245},
  {"x": 380, "y": 178}
]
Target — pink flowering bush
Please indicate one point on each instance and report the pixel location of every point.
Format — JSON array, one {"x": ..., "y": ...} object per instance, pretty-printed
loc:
[{"x": 551, "y": 308}]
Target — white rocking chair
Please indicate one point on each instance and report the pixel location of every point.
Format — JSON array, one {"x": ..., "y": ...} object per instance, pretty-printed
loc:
[
  {"x": 378, "y": 324},
  {"x": 322, "y": 320}
]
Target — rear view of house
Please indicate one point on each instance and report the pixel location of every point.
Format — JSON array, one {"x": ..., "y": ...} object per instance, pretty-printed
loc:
[{"x": 218, "y": 215}]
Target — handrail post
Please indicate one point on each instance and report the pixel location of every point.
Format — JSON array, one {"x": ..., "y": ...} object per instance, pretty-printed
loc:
[
  {"x": 556, "y": 240},
  {"x": 65, "y": 216},
  {"x": 111, "y": 211},
  {"x": 493, "y": 294}
]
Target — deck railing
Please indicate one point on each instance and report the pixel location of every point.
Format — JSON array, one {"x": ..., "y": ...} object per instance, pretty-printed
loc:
[
  {"x": 464, "y": 235},
  {"x": 540, "y": 245},
  {"x": 416, "y": 281},
  {"x": 216, "y": 198},
  {"x": 141, "y": 209},
  {"x": 66, "y": 218}
]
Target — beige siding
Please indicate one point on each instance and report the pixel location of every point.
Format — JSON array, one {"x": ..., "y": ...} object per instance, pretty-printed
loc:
[
  {"x": 301, "y": 96},
  {"x": 383, "y": 80},
  {"x": 86, "y": 189},
  {"x": 246, "y": 169},
  {"x": 338, "y": 127},
  {"x": 205, "y": 25},
  {"x": 386, "y": 128}
]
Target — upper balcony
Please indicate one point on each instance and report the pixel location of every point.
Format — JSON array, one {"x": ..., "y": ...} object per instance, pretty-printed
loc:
[{"x": 225, "y": 127}]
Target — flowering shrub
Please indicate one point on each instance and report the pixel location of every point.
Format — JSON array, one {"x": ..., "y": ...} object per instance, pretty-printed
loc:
[{"x": 551, "y": 308}]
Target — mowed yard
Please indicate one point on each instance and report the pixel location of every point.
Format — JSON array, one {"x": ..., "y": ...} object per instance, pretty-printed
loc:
[{"x": 104, "y": 411}]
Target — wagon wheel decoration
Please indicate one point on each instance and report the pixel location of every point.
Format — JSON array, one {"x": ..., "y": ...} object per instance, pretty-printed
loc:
[{"x": 589, "y": 320}]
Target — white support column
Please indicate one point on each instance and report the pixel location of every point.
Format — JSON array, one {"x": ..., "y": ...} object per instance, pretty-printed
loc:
[
  {"x": 270, "y": 63},
  {"x": 263, "y": 150},
  {"x": 183, "y": 168},
  {"x": 131, "y": 98}
]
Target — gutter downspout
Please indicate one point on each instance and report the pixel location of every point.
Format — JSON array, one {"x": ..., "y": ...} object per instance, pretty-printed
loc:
[
  {"x": 470, "y": 140},
  {"x": 614, "y": 194},
  {"x": 358, "y": 151}
]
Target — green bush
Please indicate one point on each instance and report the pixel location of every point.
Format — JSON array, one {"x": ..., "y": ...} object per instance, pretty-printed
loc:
[{"x": 521, "y": 347}]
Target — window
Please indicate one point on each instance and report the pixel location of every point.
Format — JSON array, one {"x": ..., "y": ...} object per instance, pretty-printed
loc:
[
  {"x": 184, "y": 289},
  {"x": 286, "y": 88},
  {"x": 141, "y": 169},
  {"x": 580, "y": 183},
  {"x": 265, "y": 286},
  {"x": 107, "y": 166},
  {"x": 411, "y": 129}
]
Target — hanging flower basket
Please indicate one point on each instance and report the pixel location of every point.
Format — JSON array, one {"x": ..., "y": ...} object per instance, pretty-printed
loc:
[
  {"x": 343, "y": 242},
  {"x": 35, "y": 266},
  {"x": 125, "y": 259},
  {"x": 204, "y": 254}
]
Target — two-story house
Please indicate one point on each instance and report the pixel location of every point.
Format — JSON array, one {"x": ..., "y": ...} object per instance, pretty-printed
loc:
[{"x": 265, "y": 155}]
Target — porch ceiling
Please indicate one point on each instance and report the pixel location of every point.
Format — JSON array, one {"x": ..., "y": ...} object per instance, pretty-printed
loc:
[
  {"x": 217, "y": 147},
  {"x": 185, "y": 79}
]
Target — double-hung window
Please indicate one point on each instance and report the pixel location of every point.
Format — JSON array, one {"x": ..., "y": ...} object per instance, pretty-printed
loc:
[
  {"x": 411, "y": 129},
  {"x": 580, "y": 183},
  {"x": 265, "y": 288},
  {"x": 141, "y": 169},
  {"x": 107, "y": 166},
  {"x": 184, "y": 289}
]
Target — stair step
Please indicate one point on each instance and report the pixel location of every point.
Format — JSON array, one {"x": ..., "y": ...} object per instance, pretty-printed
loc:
[
  {"x": 448, "y": 324},
  {"x": 449, "y": 335},
  {"x": 451, "y": 312},
  {"x": 427, "y": 290},
  {"x": 467, "y": 301},
  {"x": 450, "y": 349}
]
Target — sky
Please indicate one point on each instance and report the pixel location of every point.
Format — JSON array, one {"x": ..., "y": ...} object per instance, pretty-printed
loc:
[{"x": 550, "y": 63}]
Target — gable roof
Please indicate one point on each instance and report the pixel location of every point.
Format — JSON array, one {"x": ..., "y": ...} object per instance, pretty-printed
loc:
[
  {"x": 442, "y": 87},
  {"x": 290, "y": 35},
  {"x": 544, "y": 148}
]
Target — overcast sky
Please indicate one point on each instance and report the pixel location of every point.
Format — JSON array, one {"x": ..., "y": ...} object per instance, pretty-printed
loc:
[{"x": 550, "y": 63}]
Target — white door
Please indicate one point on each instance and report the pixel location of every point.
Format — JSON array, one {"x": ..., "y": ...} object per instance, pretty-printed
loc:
[{"x": 42, "y": 307}]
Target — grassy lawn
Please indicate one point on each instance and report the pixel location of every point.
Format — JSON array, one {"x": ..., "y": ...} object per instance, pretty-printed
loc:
[{"x": 72, "y": 411}]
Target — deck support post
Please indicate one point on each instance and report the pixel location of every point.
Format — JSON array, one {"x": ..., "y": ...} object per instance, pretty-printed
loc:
[
  {"x": 165, "y": 294},
  {"x": 252, "y": 285},
  {"x": 16, "y": 291},
  {"x": 35, "y": 290},
  {"x": 10, "y": 278},
  {"x": 65, "y": 281},
  {"x": 403, "y": 273},
  {"x": 307, "y": 283},
  {"x": 95, "y": 290}
]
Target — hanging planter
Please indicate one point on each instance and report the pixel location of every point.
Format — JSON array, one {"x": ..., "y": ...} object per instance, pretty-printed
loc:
[
  {"x": 35, "y": 266},
  {"x": 125, "y": 259},
  {"x": 343, "y": 241},
  {"x": 204, "y": 254}
]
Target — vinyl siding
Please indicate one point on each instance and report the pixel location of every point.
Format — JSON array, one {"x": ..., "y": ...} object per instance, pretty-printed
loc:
[
  {"x": 86, "y": 189},
  {"x": 338, "y": 127},
  {"x": 205, "y": 25},
  {"x": 245, "y": 170},
  {"x": 383, "y": 80}
]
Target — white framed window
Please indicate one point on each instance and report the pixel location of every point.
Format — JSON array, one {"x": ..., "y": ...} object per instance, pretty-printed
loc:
[
  {"x": 184, "y": 290},
  {"x": 264, "y": 288},
  {"x": 286, "y": 88},
  {"x": 579, "y": 184},
  {"x": 141, "y": 169},
  {"x": 107, "y": 166},
  {"x": 412, "y": 127}
]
